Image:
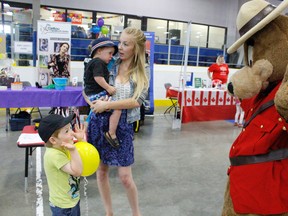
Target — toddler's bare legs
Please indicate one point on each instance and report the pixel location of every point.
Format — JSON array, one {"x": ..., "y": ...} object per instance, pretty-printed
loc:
[{"x": 113, "y": 123}]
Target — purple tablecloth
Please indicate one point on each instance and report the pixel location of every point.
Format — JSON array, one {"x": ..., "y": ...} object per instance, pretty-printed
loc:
[{"x": 35, "y": 97}]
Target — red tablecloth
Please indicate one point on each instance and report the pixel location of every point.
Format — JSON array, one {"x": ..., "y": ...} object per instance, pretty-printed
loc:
[{"x": 204, "y": 104}]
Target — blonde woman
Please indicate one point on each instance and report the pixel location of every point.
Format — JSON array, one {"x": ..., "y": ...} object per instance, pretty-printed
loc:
[
  {"x": 218, "y": 72},
  {"x": 131, "y": 82}
]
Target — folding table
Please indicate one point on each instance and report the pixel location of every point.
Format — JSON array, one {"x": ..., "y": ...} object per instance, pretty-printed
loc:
[
  {"x": 37, "y": 97},
  {"x": 29, "y": 139},
  {"x": 204, "y": 104}
]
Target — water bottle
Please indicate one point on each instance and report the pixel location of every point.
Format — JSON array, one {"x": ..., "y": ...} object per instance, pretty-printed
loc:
[{"x": 17, "y": 78}]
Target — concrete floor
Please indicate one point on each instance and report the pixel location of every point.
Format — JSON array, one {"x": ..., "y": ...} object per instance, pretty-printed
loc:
[{"x": 177, "y": 172}]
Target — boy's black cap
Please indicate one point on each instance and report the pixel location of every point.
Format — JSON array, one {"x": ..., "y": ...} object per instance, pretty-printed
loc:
[
  {"x": 102, "y": 42},
  {"x": 51, "y": 123}
]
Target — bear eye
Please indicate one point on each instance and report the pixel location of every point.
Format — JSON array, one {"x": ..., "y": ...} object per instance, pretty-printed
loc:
[{"x": 250, "y": 42}]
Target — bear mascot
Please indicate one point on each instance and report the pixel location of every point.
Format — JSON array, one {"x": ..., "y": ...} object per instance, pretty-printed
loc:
[{"x": 258, "y": 173}]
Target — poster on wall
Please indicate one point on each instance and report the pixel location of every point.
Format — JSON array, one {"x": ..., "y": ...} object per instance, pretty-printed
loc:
[
  {"x": 150, "y": 57},
  {"x": 2, "y": 46},
  {"x": 50, "y": 37}
]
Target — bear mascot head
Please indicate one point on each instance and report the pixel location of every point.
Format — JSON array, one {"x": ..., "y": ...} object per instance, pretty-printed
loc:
[
  {"x": 264, "y": 35},
  {"x": 258, "y": 172}
]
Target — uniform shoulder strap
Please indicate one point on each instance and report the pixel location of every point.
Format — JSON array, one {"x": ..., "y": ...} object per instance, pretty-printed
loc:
[{"x": 261, "y": 109}]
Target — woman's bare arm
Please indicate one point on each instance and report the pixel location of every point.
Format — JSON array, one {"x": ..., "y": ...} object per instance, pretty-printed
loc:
[
  {"x": 103, "y": 105},
  {"x": 100, "y": 106}
]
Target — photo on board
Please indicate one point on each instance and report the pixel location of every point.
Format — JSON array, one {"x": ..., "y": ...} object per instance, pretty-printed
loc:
[{"x": 43, "y": 44}]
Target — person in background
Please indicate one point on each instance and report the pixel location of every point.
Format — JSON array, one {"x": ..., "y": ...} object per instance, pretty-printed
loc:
[
  {"x": 130, "y": 76},
  {"x": 96, "y": 81},
  {"x": 239, "y": 115},
  {"x": 62, "y": 172},
  {"x": 218, "y": 72},
  {"x": 59, "y": 63}
]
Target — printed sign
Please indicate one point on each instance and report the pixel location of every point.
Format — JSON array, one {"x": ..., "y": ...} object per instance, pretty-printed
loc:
[
  {"x": 23, "y": 47},
  {"x": 198, "y": 82}
]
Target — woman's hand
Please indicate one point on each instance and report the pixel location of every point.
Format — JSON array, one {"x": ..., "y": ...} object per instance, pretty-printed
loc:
[{"x": 99, "y": 106}]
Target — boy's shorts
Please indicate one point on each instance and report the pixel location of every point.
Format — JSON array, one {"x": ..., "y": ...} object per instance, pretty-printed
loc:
[{"x": 97, "y": 96}]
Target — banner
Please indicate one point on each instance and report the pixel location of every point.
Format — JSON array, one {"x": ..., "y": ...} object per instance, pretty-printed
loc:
[
  {"x": 2, "y": 46},
  {"x": 50, "y": 36},
  {"x": 150, "y": 55}
]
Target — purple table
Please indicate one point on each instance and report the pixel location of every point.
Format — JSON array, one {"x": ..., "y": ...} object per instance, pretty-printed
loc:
[{"x": 35, "y": 97}]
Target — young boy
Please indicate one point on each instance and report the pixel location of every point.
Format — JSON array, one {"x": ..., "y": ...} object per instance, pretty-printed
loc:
[
  {"x": 96, "y": 81},
  {"x": 62, "y": 171}
]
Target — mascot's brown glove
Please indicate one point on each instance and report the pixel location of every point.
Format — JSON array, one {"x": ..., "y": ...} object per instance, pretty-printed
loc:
[{"x": 281, "y": 97}]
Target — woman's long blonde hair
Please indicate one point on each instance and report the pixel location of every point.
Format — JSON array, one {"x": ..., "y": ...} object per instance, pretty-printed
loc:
[{"x": 137, "y": 67}]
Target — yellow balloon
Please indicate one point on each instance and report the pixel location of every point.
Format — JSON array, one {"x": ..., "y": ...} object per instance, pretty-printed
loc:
[
  {"x": 1, "y": 40},
  {"x": 90, "y": 157}
]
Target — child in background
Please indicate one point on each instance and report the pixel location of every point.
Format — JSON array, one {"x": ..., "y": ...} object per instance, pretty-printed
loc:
[
  {"x": 63, "y": 173},
  {"x": 96, "y": 81},
  {"x": 239, "y": 115}
]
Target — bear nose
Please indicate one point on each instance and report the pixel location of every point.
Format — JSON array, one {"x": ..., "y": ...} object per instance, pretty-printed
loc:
[{"x": 230, "y": 88}]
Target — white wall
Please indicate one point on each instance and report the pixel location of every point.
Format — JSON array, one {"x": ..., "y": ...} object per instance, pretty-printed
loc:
[{"x": 162, "y": 74}]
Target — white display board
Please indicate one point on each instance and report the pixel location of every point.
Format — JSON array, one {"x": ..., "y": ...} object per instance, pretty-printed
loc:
[{"x": 50, "y": 35}]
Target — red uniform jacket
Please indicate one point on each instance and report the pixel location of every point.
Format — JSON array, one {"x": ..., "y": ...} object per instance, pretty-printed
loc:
[{"x": 260, "y": 188}]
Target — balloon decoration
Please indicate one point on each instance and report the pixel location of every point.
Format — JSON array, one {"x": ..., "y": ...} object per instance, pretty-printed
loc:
[
  {"x": 95, "y": 29},
  {"x": 104, "y": 30},
  {"x": 100, "y": 27},
  {"x": 100, "y": 22},
  {"x": 90, "y": 157}
]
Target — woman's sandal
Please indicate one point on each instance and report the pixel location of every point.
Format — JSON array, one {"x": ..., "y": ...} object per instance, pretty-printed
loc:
[{"x": 113, "y": 142}]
